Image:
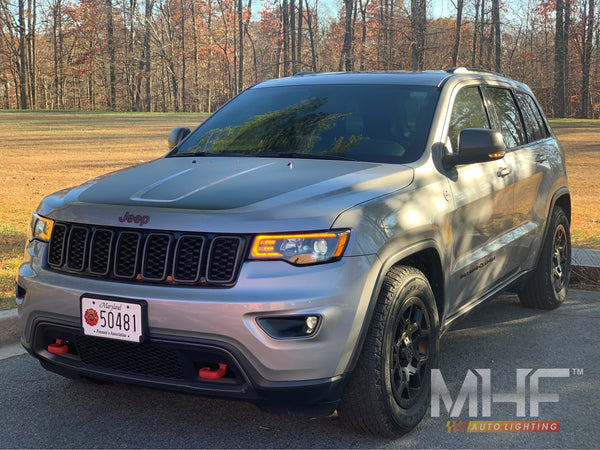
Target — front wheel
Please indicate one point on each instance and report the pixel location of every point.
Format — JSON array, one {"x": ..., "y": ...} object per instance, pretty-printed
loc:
[
  {"x": 390, "y": 388},
  {"x": 548, "y": 285}
]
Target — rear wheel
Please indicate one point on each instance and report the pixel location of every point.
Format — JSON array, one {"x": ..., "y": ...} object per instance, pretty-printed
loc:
[
  {"x": 548, "y": 285},
  {"x": 389, "y": 391}
]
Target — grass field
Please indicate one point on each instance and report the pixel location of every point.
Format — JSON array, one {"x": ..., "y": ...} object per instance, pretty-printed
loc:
[{"x": 47, "y": 151}]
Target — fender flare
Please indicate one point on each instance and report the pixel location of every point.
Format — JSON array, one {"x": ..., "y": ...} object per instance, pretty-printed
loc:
[{"x": 389, "y": 262}]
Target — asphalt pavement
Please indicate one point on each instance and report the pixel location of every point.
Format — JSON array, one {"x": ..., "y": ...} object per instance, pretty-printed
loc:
[{"x": 43, "y": 410}]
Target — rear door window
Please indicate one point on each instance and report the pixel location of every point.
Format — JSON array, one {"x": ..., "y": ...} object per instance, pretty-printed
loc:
[{"x": 507, "y": 113}]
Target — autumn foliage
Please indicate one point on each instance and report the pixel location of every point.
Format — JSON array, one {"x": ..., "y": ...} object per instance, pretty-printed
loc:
[{"x": 193, "y": 55}]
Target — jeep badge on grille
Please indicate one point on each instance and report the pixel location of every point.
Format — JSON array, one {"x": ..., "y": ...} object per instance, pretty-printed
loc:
[{"x": 130, "y": 218}]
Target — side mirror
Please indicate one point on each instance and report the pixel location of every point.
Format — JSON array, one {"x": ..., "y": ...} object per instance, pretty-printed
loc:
[
  {"x": 476, "y": 145},
  {"x": 177, "y": 135}
]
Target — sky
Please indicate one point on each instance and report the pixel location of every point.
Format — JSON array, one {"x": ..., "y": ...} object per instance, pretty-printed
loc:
[
  {"x": 331, "y": 8},
  {"x": 436, "y": 8}
]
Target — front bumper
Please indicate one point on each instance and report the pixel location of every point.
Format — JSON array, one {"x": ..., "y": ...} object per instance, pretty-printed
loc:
[
  {"x": 192, "y": 327},
  {"x": 164, "y": 362}
]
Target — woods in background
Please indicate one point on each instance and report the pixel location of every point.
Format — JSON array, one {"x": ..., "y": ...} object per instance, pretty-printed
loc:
[{"x": 193, "y": 55}]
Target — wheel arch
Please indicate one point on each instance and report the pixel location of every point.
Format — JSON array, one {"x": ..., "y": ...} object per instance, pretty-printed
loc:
[
  {"x": 424, "y": 256},
  {"x": 563, "y": 199}
]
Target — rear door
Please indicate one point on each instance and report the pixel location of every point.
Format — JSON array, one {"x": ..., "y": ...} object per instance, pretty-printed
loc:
[
  {"x": 484, "y": 206},
  {"x": 536, "y": 161}
]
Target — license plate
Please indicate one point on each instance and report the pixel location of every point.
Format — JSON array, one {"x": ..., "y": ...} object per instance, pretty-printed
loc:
[{"x": 112, "y": 319}]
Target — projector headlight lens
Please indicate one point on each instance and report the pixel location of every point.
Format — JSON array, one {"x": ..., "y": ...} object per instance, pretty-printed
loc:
[{"x": 301, "y": 248}]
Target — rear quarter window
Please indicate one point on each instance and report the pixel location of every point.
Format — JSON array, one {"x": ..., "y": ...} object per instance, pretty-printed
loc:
[{"x": 535, "y": 126}]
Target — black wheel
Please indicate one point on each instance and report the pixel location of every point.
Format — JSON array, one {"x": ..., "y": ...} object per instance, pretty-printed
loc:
[
  {"x": 548, "y": 285},
  {"x": 389, "y": 391}
]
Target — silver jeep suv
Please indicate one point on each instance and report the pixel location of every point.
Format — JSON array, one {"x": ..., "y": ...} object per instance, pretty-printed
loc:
[{"x": 305, "y": 246}]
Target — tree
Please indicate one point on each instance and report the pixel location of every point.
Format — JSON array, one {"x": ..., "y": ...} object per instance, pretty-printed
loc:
[
  {"x": 587, "y": 36},
  {"x": 110, "y": 42},
  {"x": 346, "y": 59},
  {"x": 561, "y": 54},
  {"x": 459, "y": 11},
  {"x": 418, "y": 26},
  {"x": 22, "y": 57},
  {"x": 497, "y": 35}
]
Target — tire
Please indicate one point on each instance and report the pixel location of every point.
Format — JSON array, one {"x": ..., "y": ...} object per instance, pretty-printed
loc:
[
  {"x": 547, "y": 286},
  {"x": 390, "y": 388}
]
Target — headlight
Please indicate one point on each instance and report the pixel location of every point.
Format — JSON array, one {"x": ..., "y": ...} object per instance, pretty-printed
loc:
[
  {"x": 301, "y": 248},
  {"x": 41, "y": 228}
]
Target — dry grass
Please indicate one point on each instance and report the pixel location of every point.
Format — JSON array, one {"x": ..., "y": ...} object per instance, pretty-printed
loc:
[
  {"x": 581, "y": 141},
  {"x": 47, "y": 151}
]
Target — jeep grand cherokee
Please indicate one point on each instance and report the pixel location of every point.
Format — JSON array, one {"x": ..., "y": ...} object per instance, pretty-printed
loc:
[{"x": 306, "y": 245}]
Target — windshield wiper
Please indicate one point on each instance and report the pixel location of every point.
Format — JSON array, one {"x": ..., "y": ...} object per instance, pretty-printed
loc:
[
  {"x": 184, "y": 155},
  {"x": 301, "y": 155},
  {"x": 212, "y": 154}
]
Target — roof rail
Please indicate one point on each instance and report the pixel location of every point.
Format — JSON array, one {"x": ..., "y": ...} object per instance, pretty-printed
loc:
[
  {"x": 306, "y": 73},
  {"x": 465, "y": 70}
]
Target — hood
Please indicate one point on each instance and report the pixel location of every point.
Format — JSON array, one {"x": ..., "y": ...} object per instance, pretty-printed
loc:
[{"x": 226, "y": 194}]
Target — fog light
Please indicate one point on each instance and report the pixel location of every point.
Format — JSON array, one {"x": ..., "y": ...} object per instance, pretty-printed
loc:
[
  {"x": 290, "y": 327},
  {"x": 311, "y": 324}
]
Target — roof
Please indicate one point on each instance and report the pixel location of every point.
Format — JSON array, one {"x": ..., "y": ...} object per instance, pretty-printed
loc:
[{"x": 426, "y": 78}]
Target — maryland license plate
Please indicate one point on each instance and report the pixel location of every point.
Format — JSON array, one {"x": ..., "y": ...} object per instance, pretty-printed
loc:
[{"x": 112, "y": 319}]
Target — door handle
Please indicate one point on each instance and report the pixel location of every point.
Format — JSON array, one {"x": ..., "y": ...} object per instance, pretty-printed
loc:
[
  {"x": 540, "y": 158},
  {"x": 503, "y": 171}
]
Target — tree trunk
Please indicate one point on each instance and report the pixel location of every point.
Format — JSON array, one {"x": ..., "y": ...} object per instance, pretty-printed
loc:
[
  {"x": 459, "y": 10},
  {"x": 110, "y": 35},
  {"x": 475, "y": 34},
  {"x": 560, "y": 43},
  {"x": 240, "y": 7},
  {"x": 57, "y": 42},
  {"x": 497, "y": 35},
  {"x": 196, "y": 106},
  {"x": 363, "y": 37},
  {"x": 249, "y": 36},
  {"x": 22, "y": 58},
  {"x": 299, "y": 39},
  {"x": 31, "y": 50},
  {"x": 346, "y": 60},
  {"x": 418, "y": 24},
  {"x": 286, "y": 35},
  {"x": 293, "y": 36},
  {"x": 311, "y": 37},
  {"x": 183, "y": 58},
  {"x": 587, "y": 37},
  {"x": 481, "y": 32}
]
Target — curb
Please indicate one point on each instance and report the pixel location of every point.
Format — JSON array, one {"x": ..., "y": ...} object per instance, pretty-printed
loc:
[
  {"x": 9, "y": 327},
  {"x": 585, "y": 266}
]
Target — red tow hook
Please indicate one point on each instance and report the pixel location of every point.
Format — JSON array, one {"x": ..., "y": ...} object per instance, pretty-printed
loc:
[
  {"x": 59, "y": 347},
  {"x": 209, "y": 374}
]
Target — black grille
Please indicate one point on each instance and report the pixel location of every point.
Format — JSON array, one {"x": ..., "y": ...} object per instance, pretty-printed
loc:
[
  {"x": 223, "y": 254},
  {"x": 101, "y": 252},
  {"x": 154, "y": 256},
  {"x": 143, "y": 359},
  {"x": 188, "y": 256},
  {"x": 128, "y": 249},
  {"x": 57, "y": 249},
  {"x": 77, "y": 245}
]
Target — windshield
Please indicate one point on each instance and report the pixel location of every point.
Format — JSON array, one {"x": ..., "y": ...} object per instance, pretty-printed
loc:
[{"x": 378, "y": 123}]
